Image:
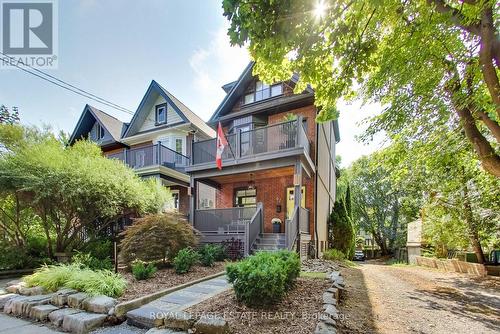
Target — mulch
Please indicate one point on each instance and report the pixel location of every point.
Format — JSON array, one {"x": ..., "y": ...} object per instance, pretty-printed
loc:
[
  {"x": 298, "y": 312},
  {"x": 165, "y": 278}
]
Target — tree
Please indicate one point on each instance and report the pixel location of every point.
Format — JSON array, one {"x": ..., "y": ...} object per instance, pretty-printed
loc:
[
  {"x": 436, "y": 61},
  {"x": 73, "y": 190},
  {"x": 157, "y": 237},
  {"x": 376, "y": 202},
  {"x": 341, "y": 229},
  {"x": 7, "y": 117}
]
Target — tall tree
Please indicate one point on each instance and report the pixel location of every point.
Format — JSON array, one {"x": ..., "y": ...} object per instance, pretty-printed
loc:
[{"x": 437, "y": 60}]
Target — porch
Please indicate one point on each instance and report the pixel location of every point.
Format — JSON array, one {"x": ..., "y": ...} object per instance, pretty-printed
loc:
[
  {"x": 245, "y": 205},
  {"x": 247, "y": 226}
]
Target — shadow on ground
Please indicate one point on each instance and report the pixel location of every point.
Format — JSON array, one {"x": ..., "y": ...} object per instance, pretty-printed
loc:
[
  {"x": 355, "y": 309},
  {"x": 462, "y": 298}
]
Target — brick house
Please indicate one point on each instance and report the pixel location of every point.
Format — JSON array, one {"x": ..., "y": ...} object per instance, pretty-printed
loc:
[
  {"x": 277, "y": 184},
  {"x": 156, "y": 143}
]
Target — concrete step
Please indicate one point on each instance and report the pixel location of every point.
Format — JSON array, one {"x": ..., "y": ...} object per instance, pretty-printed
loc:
[
  {"x": 280, "y": 236},
  {"x": 268, "y": 247}
]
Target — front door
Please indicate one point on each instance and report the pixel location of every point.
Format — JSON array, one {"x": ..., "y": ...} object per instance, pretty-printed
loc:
[{"x": 290, "y": 200}]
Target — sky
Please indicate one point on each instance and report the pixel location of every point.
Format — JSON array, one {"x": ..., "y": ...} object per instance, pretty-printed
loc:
[{"x": 114, "y": 51}]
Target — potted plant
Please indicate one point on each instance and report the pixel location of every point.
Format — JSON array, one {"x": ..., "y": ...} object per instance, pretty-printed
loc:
[{"x": 276, "y": 225}]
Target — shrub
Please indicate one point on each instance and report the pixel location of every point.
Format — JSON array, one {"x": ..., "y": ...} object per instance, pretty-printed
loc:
[
  {"x": 263, "y": 278},
  {"x": 185, "y": 259},
  {"x": 210, "y": 253},
  {"x": 89, "y": 261},
  {"x": 333, "y": 255},
  {"x": 93, "y": 282},
  {"x": 142, "y": 271},
  {"x": 157, "y": 237}
]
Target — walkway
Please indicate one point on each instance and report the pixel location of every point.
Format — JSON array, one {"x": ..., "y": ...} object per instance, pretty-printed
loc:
[
  {"x": 11, "y": 325},
  {"x": 148, "y": 315}
]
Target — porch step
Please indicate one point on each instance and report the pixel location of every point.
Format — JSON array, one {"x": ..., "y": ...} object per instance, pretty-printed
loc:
[{"x": 270, "y": 242}]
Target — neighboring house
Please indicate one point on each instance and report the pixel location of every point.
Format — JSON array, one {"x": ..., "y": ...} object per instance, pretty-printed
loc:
[
  {"x": 156, "y": 143},
  {"x": 279, "y": 166}
]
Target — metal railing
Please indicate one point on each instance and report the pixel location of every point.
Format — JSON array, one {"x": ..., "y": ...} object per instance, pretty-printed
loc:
[
  {"x": 271, "y": 138},
  {"x": 151, "y": 155},
  {"x": 291, "y": 229},
  {"x": 219, "y": 225},
  {"x": 253, "y": 229},
  {"x": 303, "y": 220}
]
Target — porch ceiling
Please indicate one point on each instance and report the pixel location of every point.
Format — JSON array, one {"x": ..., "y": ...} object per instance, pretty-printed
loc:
[{"x": 262, "y": 174}]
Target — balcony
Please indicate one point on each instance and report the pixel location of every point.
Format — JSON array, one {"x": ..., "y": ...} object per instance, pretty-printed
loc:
[
  {"x": 152, "y": 156},
  {"x": 269, "y": 142}
]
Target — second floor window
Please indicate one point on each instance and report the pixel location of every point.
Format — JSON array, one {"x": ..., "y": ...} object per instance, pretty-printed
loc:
[
  {"x": 161, "y": 114},
  {"x": 263, "y": 91}
]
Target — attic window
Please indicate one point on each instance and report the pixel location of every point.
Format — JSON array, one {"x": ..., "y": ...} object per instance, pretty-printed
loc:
[
  {"x": 161, "y": 114},
  {"x": 263, "y": 91},
  {"x": 100, "y": 132}
]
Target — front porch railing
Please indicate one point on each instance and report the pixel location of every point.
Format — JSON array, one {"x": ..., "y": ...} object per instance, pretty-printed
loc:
[
  {"x": 291, "y": 229},
  {"x": 219, "y": 225},
  {"x": 152, "y": 155},
  {"x": 271, "y": 138}
]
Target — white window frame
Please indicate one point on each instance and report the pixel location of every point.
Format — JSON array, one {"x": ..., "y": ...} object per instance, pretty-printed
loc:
[{"x": 157, "y": 110}]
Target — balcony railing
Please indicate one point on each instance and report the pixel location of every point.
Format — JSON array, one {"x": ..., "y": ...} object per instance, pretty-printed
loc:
[
  {"x": 271, "y": 138},
  {"x": 152, "y": 155}
]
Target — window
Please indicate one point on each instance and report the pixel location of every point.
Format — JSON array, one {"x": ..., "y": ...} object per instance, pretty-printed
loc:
[
  {"x": 161, "y": 114},
  {"x": 100, "y": 131},
  {"x": 245, "y": 198},
  {"x": 262, "y": 92},
  {"x": 276, "y": 90},
  {"x": 178, "y": 149},
  {"x": 175, "y": 198}
]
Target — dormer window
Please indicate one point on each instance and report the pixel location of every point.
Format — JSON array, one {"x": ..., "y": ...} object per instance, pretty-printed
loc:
[
  {"x": 263, "y": 91},
  {"x": 161, "y": 114}
]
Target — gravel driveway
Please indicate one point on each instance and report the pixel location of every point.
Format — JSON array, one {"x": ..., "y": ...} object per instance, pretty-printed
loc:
[{"x": 408, "y": 299}]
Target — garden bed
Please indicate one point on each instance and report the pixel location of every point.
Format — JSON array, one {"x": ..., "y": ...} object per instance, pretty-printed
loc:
[
  {"x": 298, "y": 312},
  {"x": 165, "y": 278}
]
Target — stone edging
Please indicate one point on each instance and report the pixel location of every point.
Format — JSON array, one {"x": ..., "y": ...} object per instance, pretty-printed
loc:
[
  {"x": 327, "y": 322},
  {"x": 122, "y": 308}
]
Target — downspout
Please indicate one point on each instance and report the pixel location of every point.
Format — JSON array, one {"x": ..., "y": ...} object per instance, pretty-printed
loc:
[{"x": 316, "y": 238}]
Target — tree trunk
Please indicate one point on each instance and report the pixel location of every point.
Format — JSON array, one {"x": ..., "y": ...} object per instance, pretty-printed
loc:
[
  {"x": 489, "y": 159},
  {"x": 472, "y": 226}
]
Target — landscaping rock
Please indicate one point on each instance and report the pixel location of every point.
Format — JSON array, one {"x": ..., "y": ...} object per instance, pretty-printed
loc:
[
  {"x": 146, "y": 317},
  {"x": 99, "y": 304},
  {"x": 9, "y": 305},
  {"x": 14, "y": 288},
  {"x": 331, "y": 311},
  {"x": 81, "y": 323},
  {"x": 335, "y": 292},
  {"x": 211, "y": 325},
  {"x": 33, "y": 291},
  {"x": 60, "y": 298},
  {"x": 21, "y": 306},
  {"x": 322, "y": 328},
  {"x": 57, "y": 317},
  {"x": 179, "y": 320},
  {"x": 76, "y": 300},
  {"x": 340, "y": 281},
  {"x": 329, "y": 298},
  {"x": 5, "y": 298},
  {"x": 41, "y": 312},
  {"x": 162, "y": 331},
  {"x": 334, "y": 275}
]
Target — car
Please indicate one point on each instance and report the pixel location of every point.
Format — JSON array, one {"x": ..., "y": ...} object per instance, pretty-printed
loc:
[{"x": 359, "y": 255}]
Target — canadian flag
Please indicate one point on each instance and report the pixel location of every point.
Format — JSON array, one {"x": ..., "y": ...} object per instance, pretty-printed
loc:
[{"x": 221, "y": 145}]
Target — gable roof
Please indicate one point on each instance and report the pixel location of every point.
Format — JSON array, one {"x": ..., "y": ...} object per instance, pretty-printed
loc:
[
  {"x": 184, "y": 112},
  {"x": 236, "y": 88},
  {"x": 89, "y": 116}
]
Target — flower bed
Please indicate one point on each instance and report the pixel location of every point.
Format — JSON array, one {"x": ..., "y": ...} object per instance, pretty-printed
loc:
[
  {"x": 297, "y": 312},
  {"x": 165, "y": 278}
]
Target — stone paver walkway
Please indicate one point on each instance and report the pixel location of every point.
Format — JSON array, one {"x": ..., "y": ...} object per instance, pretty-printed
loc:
[
  {"x": 11, "y": 325},
  {"x": 177, "y": 301}
]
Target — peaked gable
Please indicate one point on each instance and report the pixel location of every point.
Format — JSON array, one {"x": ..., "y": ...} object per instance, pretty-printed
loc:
[
  {"x": 177, "y": 113},
  {"x": 113, "y": 127}
]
